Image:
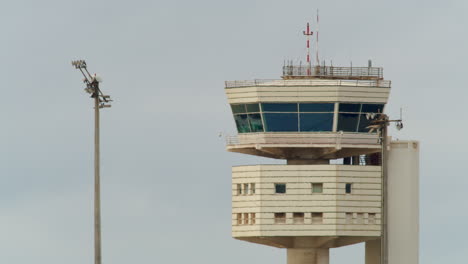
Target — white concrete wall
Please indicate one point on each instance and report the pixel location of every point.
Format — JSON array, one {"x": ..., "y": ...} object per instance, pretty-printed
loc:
[
  {"x": 334, "y": 203},
  {"x": 403, "y": 202},
  {"x": 304, "y": 93}
]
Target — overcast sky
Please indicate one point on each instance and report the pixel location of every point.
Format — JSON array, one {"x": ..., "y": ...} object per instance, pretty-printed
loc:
[{"x": 166, "y": 175}]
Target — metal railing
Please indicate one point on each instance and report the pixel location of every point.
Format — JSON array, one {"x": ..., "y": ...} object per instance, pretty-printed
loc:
[
  {"x": 333, "y": 72},
  {"x": 308, "y": 82}
]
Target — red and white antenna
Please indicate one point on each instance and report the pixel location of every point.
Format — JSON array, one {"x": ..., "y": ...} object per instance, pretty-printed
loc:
[
  {"x": 317, "y": 43},
  {"x": 308, "y": 33}
]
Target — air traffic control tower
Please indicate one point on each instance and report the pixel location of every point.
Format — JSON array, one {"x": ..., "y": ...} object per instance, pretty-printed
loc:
[{"x": 338, "y": 186}]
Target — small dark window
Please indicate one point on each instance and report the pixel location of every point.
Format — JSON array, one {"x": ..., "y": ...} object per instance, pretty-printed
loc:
[
  {"x": 317, "y": 187},
  {"x": 348, "y": 187},
  {"x": 280, "y": 187},
  {"x": 298, "y": 218},
  {"x": 317, "y": 218},
  {"x": 280, "y": 218}
]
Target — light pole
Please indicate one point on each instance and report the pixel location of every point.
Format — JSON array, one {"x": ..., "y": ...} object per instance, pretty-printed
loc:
[
  {"x": 380, "y": 123},
  {"x": 100, "y": 101}
]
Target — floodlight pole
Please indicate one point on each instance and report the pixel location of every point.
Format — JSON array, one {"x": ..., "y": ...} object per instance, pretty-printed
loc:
[
  {"x": 381, "y": 123},
  {"x": 97, "y": 182},
  {"x": 100, "y": 101}
]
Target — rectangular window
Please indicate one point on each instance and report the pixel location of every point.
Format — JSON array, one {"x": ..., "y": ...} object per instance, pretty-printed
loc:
[
  {"x": 317, "y": 187},
  {"x": 360, "y": 218},
  {"x": 348, "y": 187},
  {"x": 279, "y": 107},
  {"x": 280, "y": 218},
  {"x": 298, "y": 218},
  {"x": 238, "y": 109},
  {"x": 316, "y": 122},
  {"x": 317, "y": 218},
  {"x": 242, "y": 123},
  {"x": 255, "y": 121},
  {"x": 350, "y": 108},
  {"x": 281, "y": 122},
  {"x": 239, "y": 219},
  {"x": 246, "y": 218},
  {"x": 246, "y": 188},
  {"x": 252, "y": 218},
  {"x": 349, "y": 218},
  {"x": 239, "y": 189},
  {"x": 252, "y": 188},
  {"x": 280, "y": 187},
  {"x": 316, "y": 107},
  {"x": 371, "y": 219},
  {"x": 253, "y": 108}
]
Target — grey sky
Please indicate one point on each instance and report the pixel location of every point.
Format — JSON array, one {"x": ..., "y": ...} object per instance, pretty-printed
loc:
[{"x": 166, "y": 175}]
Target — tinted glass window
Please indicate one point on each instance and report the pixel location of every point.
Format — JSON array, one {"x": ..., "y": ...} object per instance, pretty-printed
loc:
[
  {"x": 363, "y": 124},
  {"x": 372, "y": 108},
  {"x": 238, "y": 109},
  {"x": 347, "y": 122},
  {"x": 350, "y": 107},
  {"x": 253, "y": 108},
  {"x": 280, "y": 122},
  {"x": 242, "y": 123},
  {"x": 316, "y": 122},
  {"x": 279, "y": 107},
  {"x": 318, "y": 107},
  {"x": 255, "y": 121}
]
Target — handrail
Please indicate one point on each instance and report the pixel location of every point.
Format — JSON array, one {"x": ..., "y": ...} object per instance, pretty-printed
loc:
[{"x": 307, "y": 82}]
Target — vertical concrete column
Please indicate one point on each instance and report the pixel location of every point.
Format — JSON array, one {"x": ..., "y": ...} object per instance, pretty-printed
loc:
[
  {"x": 373, "y": 251},
  {"x": 308, "y": 256},
  {"x": 403, "y": 202}
]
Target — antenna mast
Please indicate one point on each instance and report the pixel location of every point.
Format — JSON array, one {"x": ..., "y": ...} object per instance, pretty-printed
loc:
[
  {"x": 317, "y": 41},
  {"x": 308, "y": 33}
]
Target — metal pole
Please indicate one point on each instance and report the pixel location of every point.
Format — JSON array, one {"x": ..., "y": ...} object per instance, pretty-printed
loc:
[
  {"x": 97, "y": 184},
  {"x": 384, "y": 239}
]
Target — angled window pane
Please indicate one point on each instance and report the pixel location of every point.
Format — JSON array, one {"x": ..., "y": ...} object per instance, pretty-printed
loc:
[
  {"x": 316, "y": 107},
  {"x": 242, "y": 123},
  {"x": 279, "y": 107},
  {"x": 363, "y": 124},
  {"x": 255, "y": 121},
  {"x": 280, "y": 122},
  {"x": 350, "y": 108},
  {"x": 316, "y": 122},
  {"x": 238, "y": 108},
  {"x": 347, "y": 122},
  {"x": 372, "y": 108},
  {"x": 253, "y": 108}
]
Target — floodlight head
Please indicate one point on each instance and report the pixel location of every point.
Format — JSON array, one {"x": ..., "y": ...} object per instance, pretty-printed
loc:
[
  {"x": 399, "y": 125},
  {"x": 79, "y": 64}
]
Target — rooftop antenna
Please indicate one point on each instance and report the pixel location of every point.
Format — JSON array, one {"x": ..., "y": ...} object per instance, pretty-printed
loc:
[
  {"x": 100, "y": 101},
  {"x": 317, "y": 41},
  {"x": 308, "y": 33}
]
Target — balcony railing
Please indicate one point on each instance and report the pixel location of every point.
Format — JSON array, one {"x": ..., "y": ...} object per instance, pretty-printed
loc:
[
  {"x": 308, "y": 82},
  {"x": 330, "y": 72}
]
